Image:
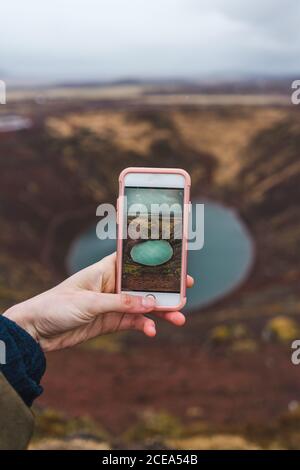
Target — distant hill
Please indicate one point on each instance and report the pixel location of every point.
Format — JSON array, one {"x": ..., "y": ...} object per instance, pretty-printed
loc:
[{"x": 255, "y": 85}]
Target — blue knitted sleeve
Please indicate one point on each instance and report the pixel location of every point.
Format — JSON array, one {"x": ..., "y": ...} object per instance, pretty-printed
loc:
[{"x": 22, "y": 360}]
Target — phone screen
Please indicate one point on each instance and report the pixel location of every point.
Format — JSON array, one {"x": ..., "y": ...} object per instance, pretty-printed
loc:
[{"x": 152, "y": 245}]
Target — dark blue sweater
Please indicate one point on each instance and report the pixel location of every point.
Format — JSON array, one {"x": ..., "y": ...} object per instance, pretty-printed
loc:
[{"x": 25, "y": 362}]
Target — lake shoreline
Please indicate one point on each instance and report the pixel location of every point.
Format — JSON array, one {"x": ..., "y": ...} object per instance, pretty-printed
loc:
[{"x": 75, "y": 251}]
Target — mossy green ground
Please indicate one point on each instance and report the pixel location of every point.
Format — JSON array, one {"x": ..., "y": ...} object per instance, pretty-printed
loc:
[{"x": 162, "y": 430}]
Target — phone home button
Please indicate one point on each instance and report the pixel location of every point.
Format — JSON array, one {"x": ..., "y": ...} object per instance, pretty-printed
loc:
[{"x": 150, "y": 296}]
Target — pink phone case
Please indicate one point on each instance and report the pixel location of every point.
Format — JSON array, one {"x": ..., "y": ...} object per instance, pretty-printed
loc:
[{"x": 185, "y": 228}]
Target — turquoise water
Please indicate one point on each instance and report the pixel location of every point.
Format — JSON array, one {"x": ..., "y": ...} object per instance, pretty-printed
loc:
[{"x": 221, "y": 265}]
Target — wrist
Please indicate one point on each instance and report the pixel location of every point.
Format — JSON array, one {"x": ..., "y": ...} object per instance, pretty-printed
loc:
[{"x": 21, "y": 315}]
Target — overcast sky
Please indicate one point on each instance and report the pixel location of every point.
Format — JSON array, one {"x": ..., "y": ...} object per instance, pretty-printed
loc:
[{"x": 106, "y": 39}]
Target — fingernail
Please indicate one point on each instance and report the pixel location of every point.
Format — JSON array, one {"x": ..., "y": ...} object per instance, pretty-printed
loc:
[
  {"x": 148, "y": 302},
  {"x": 152, "y": 329}
]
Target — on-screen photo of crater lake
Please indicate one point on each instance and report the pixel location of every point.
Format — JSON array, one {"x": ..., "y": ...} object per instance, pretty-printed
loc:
[{"x": 152, "y": 248}]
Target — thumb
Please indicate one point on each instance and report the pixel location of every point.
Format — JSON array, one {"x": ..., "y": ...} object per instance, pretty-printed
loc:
[{"x": 121, "y": 303}]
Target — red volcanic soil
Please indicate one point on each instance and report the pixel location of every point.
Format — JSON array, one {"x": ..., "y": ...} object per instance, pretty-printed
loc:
[{"x": 114, "y": 388}]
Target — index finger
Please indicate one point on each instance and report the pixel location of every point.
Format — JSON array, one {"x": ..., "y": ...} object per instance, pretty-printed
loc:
[{"x": 189, "y": 281}]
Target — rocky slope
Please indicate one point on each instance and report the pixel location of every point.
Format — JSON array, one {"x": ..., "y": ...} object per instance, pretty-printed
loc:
[{"x": 54, "y": 175}]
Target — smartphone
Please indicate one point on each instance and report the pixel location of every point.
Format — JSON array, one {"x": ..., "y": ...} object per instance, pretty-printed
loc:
[{"x": 152, "y": 217}]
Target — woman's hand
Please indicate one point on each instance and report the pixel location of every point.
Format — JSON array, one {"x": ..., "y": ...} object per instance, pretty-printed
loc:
[{"x": 84, "y": 306}]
